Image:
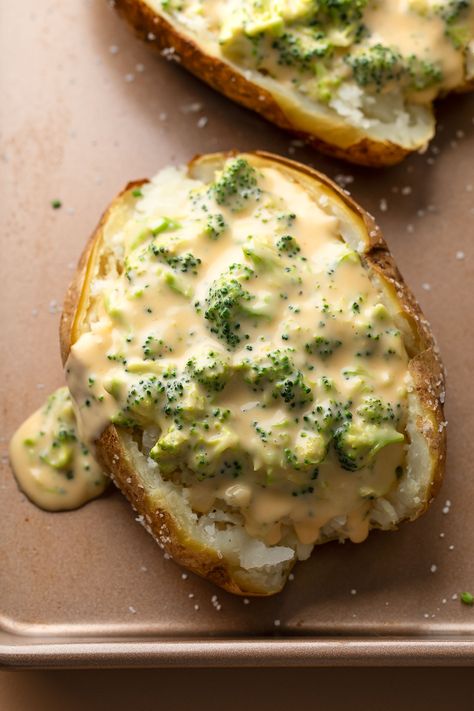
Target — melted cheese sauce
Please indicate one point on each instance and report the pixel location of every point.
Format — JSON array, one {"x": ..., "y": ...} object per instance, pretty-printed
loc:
[
  {"x": 52, "y": 466},
  {"x": 257, "y": 444},
  {"x": 245, "y": 32},
  {"x": 246, "y": 404}
]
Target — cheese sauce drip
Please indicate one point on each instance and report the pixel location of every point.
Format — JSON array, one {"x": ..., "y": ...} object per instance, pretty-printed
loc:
[
  {"x": 239, "y": 337},
  {"x": 341, "y": 53},
  {"x": 53, "y": 467}
]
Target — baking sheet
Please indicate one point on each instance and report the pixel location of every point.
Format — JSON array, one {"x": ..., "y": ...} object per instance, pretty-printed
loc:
[{"x": 85, "y": 108}]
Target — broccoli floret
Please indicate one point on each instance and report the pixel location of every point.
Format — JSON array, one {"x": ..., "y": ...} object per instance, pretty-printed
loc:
[
  {"x": 451, "y": 10},
  {"x": 374, "y": 411},
  {"x": 327, "y": 416},
  {"x": 227, "y": 301},
  {"x": 356, "y": 446},
  {"x": 422, "y": 73},
  {"x": 310, "y": 450},
  {"x": 300, "y": 49},
  {"x": 376, "y": 65},
  {"x": 288, "y": 245},
  {"x": 458, "y": 32},
  {"x": 154, "y": 348},
  {"x": 322, "y": 347},
  {"x": 275, "y": 365},
  {"x": 293, "y": 390},
  {"x": 178, "y": 262},
  {"x": 236, "y": 186},
  {"x": 170, "y": 449},
  {"x": 215, "y": 225},
  {"x": 341, "y": 12},
  {"x": 210, "y": 369},
  {"x": 277, "y": 369}
]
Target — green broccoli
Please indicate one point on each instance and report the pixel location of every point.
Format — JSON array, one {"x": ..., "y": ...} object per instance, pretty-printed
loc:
[
  {"x": 456, "y": 30},
  {"x": 170, "y": 450},
  {"x": 275, "y": 365},
  {"x": 422, "y": 74},
  {"x": 277, "y": 369},
  {"x": 310, "y": 450},
  {"x": 341, "y": 12},
  {"x": 300, "y": 49},
  {"x": 322, "y": 347},
  {"x": 356, "y": 446},
  {"x": 376, "y": 65},
  {"x": 210, "y": 369},
  {"x": 215, "y": 225},
  {"x": 236, "y": 186},
  {"x": 374, "y": 411},
  {"x": 178, "y": 262},
  {"x": 328, "y": 415},
  {"x": 227, "y": 301},
  {"x": 288, "y": 245},
  {"x": 154, "y": 348}
]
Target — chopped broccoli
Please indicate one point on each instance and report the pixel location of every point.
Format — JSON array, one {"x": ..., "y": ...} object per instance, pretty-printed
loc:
[
  {"x": 277, "y": 369},
  {"x": 293, "y": 390},
  {"x": 456, "y": 30},
  {"x": 215, "y": 225},
  {"x": 356, "y": 446},
  {"x": 170, "y": 449},
  {"x": 322, "y": 347},
  {"x": 154, "y": 348},
  {"x": 275, "y": 365},
  {"x": 288, "y": 245},
  {"x": 210, "y": 369},
  {"x": 178, "y": 262},
  {"x": 341, "y": 12},
  {"x": 373, "y": 410},
  {"x": 236, "y": 185},
  {"x": 310, "y": 450},
  {"x": 376, "y": 65},
  {"x": 326, "y": 416},
  {"x": 422, "y": 73},
  {"x": 451, "y": 10},
  {"x": 226, "y": 301},
  {"x": 300, "y": 49}
]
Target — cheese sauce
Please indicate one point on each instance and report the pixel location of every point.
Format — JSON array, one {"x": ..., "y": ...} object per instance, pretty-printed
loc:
[
  {"x": 318, "y": 49},
  {"x": 235, "y": 332},
  {"x": 231, "y": 327},
  {"x": 53, "y": 467}
]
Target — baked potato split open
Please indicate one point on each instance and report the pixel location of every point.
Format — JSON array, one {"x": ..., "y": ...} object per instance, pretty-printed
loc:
[{"x": 223, "y": 539}]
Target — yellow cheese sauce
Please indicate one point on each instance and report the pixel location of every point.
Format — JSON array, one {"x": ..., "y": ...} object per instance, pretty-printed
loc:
[
  {"x": 53, "y": 467},
  {"x": 234, "y": 331},
  {"x": 416, "y": 49}
]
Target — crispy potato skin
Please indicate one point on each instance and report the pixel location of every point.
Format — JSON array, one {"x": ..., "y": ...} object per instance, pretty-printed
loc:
[
  {"x": 425, "y": 367},
  {"x": 224, "y": 79}
]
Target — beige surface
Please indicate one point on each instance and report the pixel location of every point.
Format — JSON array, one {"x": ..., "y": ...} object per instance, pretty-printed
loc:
[{"x": 85, "y": 108}]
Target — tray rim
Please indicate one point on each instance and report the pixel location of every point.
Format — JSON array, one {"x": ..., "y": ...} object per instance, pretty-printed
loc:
[{"x": 299, "y": 652}]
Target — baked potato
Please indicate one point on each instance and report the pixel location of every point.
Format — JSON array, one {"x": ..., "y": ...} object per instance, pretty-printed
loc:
[
  {"x": 256, "y": 375},
  {"x": 354, "y": 78}
]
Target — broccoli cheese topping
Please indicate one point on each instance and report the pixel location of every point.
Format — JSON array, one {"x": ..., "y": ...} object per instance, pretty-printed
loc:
[
  {"x": 53, "y": 466},
  {"x": 366, "y": 60},
  {"x": 255, "y": 362}
]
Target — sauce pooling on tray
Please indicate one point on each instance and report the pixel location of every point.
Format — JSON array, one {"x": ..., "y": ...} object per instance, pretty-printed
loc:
[
  {"x": 233, "y": 329},
  {"x": 53, "y": 467}
]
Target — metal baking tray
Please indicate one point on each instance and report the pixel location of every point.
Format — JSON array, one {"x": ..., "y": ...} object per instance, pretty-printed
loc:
[{"x": 85, "y": 107}]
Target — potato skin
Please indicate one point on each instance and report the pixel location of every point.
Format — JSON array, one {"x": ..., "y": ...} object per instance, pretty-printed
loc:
[
  {"x": 425, "y": 368},
  {"x": 224, "y": 79}
]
